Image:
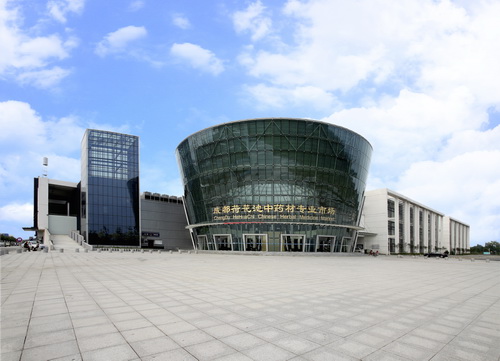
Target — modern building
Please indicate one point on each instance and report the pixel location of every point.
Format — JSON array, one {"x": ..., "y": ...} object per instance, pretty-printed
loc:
[
  {"x": 106, "y": 207},
  {"x": 274, "y": 184},
  {"x": 393, "y": 223},
  {"x": 268, "y": 185},
  {"x": 110, "y": 207}
]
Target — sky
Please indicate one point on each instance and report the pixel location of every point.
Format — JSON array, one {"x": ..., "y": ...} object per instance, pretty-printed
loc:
[{"x": 419, "y": 79}]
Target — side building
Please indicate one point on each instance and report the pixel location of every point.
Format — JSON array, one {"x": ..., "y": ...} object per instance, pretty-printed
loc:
[
  {"x": 394, "y": 223},
  {"x": 106, "y": 207},
  {"x": 56, "y": 208},
  {"x": 164, "y": 222}
]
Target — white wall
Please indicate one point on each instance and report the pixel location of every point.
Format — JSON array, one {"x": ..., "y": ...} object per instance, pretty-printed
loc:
[
  {"x": 62, "y": 224},
  {"x": 43, "y": 203},
  {"x": 375, "y": 220}
]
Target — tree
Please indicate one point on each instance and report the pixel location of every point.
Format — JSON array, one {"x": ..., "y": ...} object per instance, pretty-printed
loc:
[
  {"x": 493, "y": 247},
  {"x": 9, "y": 240}
]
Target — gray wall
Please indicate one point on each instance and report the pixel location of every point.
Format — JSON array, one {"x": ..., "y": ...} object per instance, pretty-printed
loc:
[{"x": 169, "y": 220}]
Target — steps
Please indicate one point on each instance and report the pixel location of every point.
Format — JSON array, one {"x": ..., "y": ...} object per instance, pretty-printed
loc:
[{"x": 65, "y": 242}]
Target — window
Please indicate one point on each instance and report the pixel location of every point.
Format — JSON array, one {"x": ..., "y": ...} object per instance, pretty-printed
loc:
[{"x": 390, "y": 208}]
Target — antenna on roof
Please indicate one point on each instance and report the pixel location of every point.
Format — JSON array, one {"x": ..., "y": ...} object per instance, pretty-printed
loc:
[{"x": 45, "y": 166}]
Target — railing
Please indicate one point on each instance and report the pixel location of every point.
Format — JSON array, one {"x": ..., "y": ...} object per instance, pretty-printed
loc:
[{"x": 78, "y": 238}]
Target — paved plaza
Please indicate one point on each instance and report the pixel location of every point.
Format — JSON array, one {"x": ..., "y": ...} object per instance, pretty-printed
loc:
[{"x": 162, "y": 306}]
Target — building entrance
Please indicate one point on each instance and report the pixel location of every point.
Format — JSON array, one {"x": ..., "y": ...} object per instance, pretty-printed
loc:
[
  {"x": 325, "y": 243},
  {"x": 223, "y": 242},
  {"x": 202, "y": 243},
  {"x": 292, "y": 242},
  {"x": 255, "y": 242},
  {"x": 346, "y": 245}
]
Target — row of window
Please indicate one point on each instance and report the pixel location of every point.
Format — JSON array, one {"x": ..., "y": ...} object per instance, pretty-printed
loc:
[
  {"x": 284, "y": 164},
  {"x": 278, "y": 127},
  {"x": 286, "y": 144}
]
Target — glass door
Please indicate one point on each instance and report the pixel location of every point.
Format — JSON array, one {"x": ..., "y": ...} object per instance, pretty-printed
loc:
[
  {"x": 202, "y": 243},
  {"x": 292, "y": 242},
  {"x": 223, "y": 242},
  {"x": 325, "y": 243},
  {"x": 255, "y": 242},
  {"x": 346, "y": 244},
  {"x": 337, "y": 245}
]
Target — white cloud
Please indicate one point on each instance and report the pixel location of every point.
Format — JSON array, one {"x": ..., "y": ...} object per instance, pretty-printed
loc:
[
  {"x": 46, "y": 78},
  {"x": 136, "y": 5},
  {"x": 117, "y": 41},
  {"x": 197, "y": 57},
  {"x": 24, "y": 55},
  {"x": 410, "y": 127},
  {"x": 24, "y": 147},
  {"x": 268, "y": 97},
  {"x": 181, "y": 21},
  {"x": 428, "y": 46},
  {"x": 154, "y": 179},
  {"x": 16, "y": 212},
  {"x": 59, "y": 9},
  {"x": 253, "y": 20},
  {"x": 466, "y": 186}
]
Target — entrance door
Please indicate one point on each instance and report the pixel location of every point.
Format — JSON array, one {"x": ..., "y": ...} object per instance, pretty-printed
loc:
[
  {"x": 325, "y": 243},
  {"x": 255, "y": 242},
  {"x": 292, "y": 242},
  {"x": 223, "y": 242},
  {"x": 346, "y": 244},
  {"x": 202, "y": 243},
  {"x": 337, "y": 245}
]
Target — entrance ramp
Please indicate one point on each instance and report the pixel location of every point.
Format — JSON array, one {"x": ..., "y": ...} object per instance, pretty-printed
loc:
[{"x": 62, "y": 241}]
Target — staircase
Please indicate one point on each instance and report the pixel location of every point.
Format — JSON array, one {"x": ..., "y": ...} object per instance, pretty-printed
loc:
[{"x": 61, "y": 241}]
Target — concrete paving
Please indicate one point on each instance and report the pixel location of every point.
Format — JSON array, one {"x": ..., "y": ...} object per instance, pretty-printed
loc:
[{"x": 170, "y": 306}]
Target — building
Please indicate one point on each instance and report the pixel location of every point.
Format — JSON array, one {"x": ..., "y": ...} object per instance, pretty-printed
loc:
[
  {"x": 105, "y": 207},
  {"x": 393, "y": 223},
  {"x": 110, "y": 207},
  {"x": 268, "y": 185},
  {"x": 164, "y": 222},
  {"x": 274, "y": 184},
  {"x": 457, "y": 235},
  {"x": 56, "y": 207}
]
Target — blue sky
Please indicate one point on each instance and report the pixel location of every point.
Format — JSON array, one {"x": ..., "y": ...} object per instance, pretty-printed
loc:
[{"x": 418, "y": 78}]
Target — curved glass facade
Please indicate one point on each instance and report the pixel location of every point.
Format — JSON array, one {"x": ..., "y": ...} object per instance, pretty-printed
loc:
[{"x": 274, "y": 184}]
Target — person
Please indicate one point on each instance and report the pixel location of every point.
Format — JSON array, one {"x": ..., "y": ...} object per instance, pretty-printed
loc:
[
  {"x": 37, "y": 246},
  {"x": 27, "y": 246}
]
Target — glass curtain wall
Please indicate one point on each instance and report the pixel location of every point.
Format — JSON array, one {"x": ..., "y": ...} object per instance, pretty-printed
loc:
[
  {"x": 110, "y": 188},
  {"x": 274, "y": 176}
]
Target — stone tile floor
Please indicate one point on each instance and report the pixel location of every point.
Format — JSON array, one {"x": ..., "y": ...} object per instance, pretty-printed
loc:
[{"x": 162, "y": 306}]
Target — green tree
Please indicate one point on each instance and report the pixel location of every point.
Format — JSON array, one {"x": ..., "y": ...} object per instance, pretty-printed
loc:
[
  {"x": 9, "y": 240},
  {"x": 493, "y": 247},
  {"x": 477, "y": 249}
]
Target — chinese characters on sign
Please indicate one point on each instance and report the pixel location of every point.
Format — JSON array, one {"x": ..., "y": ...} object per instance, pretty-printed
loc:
[{"x": 273, "y": 212}]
